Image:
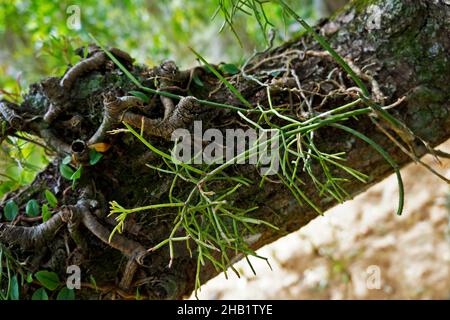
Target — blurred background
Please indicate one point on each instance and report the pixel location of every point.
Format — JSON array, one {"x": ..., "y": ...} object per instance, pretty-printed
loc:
[{"x": 358, "y": 250}]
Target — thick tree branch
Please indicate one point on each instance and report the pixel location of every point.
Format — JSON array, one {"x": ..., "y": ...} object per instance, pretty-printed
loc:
[{"x": 36, "y": 236}]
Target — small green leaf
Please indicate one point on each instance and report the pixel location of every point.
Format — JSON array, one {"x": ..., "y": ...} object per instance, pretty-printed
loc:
[
  {"x": 77, "y": 174},
  {"x": 197, "y": 81},
  {"x": 40, "y": 294},
  {"x": 46, "y": 213},
  {"x": 67, "y": 160},
  {"x": 11, "y": 210},
  {"x": 66, "y": 294},
  {"x": 49, "y": 280},
  {"x": 66, "y": 171},
  {"x": 51, "y": 198},
  {"x": 29, "y": 277},
  {"x": 14, "y": 290},
  {"x": 229, "y": 68},
  {"x": 32, "y": 209},
  {"x": 94, "y": 157},
  {"x": 140, "y": 95}
]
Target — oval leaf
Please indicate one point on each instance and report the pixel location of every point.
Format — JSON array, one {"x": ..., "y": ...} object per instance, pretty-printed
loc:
[
  {"x": 51, "y": 198},
  {"x": 67, "y": 160},
  {"x": 46, "y": 213},
  {"x": 32, "y": 209},
  {"x": 40, "y": 294},
  {"x": 29, "y": 277},
  {"x": 94, "y": 157},
  {"x": 66, "y": 171},
  {"x": 66, "y": 294},
  {"x": 14, "y": 293},
  {"x": 229, "y": 68},
  {"x": 49, "y": 280},
  {"x": 77, "y": 174},
  {"x": 10, "y": 210}
]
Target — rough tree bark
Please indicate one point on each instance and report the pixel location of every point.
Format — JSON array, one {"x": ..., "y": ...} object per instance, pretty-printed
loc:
[
  {"x": 401, "y": 48},
  {"x": 331, "y": 6}
]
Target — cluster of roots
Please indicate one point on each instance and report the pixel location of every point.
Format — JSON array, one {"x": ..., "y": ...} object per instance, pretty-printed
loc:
[{"x": 62, "y": 114}]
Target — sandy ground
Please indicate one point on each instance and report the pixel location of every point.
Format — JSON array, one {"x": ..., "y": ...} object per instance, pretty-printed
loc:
[{"x": 359, "y": 250}]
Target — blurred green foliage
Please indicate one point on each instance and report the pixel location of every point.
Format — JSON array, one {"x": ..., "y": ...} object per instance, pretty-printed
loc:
[
  {"x": 19, "y": 163},
  {"x": 37, "y": 42}
]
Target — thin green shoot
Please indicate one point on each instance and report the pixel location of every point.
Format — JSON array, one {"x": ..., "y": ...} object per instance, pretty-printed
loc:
[
  {"x": 225, "y": 81},
  {"x": 385, "y": 155}
]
